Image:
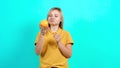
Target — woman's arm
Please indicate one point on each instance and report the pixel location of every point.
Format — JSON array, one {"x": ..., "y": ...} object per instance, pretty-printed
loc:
[
  {"x": 39, "y": 45},
  {"x": 65, "y": 50}
]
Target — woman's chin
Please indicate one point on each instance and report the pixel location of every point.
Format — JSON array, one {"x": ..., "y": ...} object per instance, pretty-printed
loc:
[{"x": 53, "y": 24}]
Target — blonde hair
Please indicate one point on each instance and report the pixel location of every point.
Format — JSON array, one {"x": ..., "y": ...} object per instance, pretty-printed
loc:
[{"x": 61, "y": 22}]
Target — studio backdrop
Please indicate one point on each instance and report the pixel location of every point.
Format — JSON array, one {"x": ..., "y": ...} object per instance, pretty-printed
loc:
[{"x": 93, "y": 24}]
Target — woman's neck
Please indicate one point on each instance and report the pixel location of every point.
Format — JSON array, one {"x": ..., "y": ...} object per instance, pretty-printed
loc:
[{"x": 54, "y": 28}]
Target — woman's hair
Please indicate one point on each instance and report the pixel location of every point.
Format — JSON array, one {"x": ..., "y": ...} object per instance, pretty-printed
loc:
[{"x": 61, "y": 22}]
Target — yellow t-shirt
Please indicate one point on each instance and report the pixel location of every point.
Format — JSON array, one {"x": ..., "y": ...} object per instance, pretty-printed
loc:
[{"x": 51, "y": 55}]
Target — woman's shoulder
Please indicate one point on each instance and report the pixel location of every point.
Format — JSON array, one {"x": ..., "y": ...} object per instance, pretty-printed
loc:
[
  {"x": 65, "y": 31},
  {"x": 38, "y": 33}
]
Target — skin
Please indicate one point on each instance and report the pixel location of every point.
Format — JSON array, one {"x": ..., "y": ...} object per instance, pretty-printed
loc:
[{"x": 54, "y": 18}]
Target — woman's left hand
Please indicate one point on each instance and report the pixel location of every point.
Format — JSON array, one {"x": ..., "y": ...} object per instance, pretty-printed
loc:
[{"x": 57, "y": 37}]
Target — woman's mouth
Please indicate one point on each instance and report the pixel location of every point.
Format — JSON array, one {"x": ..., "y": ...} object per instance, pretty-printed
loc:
[{"x": 52, "y": 21}]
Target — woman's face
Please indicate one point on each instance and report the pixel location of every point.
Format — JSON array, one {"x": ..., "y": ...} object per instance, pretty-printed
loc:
[{"x": 54, "y": 17}]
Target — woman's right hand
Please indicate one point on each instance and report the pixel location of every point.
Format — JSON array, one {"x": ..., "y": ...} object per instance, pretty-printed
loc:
[{"x": 43, "y": 30}]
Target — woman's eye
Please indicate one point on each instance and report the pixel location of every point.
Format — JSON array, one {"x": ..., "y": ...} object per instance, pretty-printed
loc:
[
  {"x": 56, "y": 16},
  {"x": 49, "y": 15}
]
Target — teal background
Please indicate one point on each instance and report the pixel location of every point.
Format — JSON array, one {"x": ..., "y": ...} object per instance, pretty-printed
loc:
[{"x": 93, "y": 24}]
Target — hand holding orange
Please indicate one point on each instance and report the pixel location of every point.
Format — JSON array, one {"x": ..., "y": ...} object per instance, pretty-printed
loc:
[
  {"x": 43, "y": 23},
  {"x": 43, "y": 26}
]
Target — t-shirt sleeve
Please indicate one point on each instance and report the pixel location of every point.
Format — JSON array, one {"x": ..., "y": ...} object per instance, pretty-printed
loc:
[
  {"x": 69, "y": 39},
  {"x": 37, "y": 38}
]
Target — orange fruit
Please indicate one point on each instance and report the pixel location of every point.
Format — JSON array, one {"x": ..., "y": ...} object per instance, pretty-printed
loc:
[{"x": 44, "y": 23}]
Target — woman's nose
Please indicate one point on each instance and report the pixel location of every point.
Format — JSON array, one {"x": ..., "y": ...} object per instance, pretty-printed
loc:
[{"x": 52, "y": 18}]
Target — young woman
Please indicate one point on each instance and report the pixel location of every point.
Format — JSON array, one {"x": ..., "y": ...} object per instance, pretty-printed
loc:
[{"x": 54, "y": 45}]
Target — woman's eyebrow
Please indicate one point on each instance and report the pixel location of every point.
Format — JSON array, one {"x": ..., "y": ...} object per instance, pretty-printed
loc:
[{"x": 56, "y": 14}]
